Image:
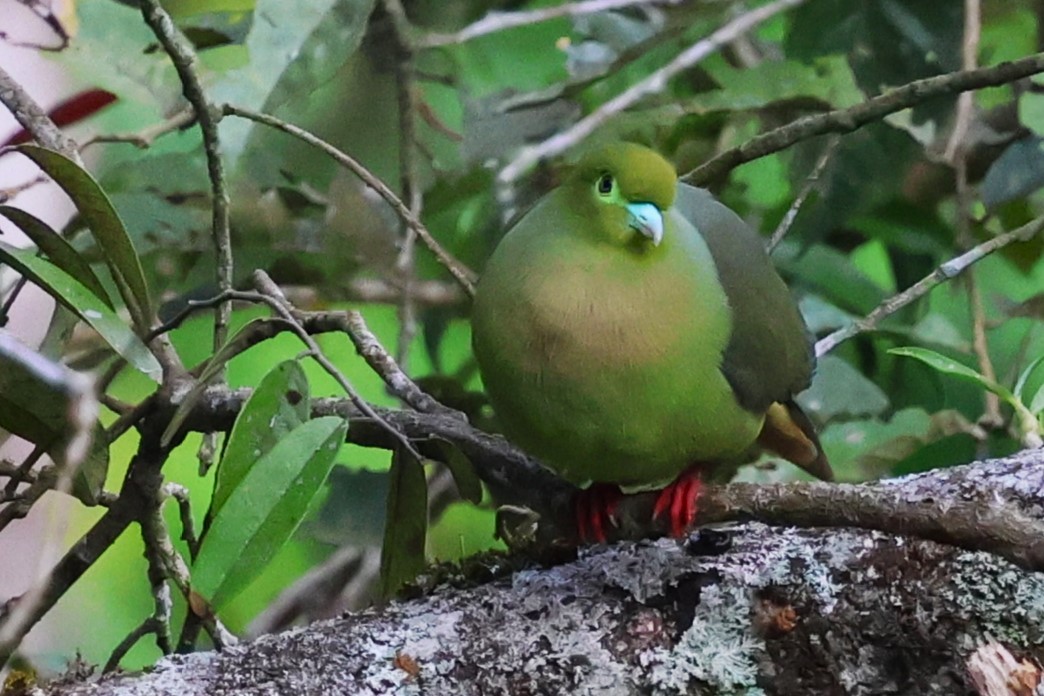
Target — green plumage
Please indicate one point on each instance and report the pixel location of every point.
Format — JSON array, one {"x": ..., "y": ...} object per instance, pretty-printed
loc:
[{"x": 620, "y": 350}]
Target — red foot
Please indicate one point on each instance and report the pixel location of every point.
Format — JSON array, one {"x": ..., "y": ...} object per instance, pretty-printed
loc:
[
  {"x": 595, "y": 509},
  {"x": 678, "y": 502}
]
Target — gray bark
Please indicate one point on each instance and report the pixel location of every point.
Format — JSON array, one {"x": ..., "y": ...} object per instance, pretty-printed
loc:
[{"x": 782, "y": 611}]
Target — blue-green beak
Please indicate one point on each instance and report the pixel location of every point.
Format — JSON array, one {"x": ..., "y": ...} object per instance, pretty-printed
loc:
[{"x": 647, "y": 219}]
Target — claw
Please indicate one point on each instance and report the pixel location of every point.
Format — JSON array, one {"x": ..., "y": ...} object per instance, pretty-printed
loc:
[
  {"x": 595, "y": 509},
  {"x": 678, "y": 502}
]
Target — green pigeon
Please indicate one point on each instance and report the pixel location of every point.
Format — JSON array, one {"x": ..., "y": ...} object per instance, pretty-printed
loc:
[{"x": 631, "y": 332}]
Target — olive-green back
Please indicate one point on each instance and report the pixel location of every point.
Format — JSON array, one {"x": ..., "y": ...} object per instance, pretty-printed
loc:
[{"x": 769, "y": 356}]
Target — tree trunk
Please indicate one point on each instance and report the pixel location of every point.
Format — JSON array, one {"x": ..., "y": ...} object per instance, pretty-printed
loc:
[{"x": 779, "y": 611}]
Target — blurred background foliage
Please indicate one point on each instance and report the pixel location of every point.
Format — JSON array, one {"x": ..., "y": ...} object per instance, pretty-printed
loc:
[{"x": 883, "y": 213}]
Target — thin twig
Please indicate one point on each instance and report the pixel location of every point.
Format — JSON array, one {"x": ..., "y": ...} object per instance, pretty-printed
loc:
[
  {"x": 855, "y": 117},
  {"x": 943, "y": 273},
  {"x": 969, "y": 61},
  {"x": 655, "y": 82},
  {"x": 188, "y": 524},
  {"x": 24, "y": 468},
  {"x": 957, "y": 154},
  {"x": 147, "y": 136},
  {"x": 384, "y": 365},
  {"x": 406, "y": 262},
  {"x": 991, "y": 416},
  {"x": 160, "y": 546},
  {"x": 463, "y": 275},
  {"x": 274, "y": 298},
  {"x": 6, "y": 194},
  {"x": 143, "y": 629},
  {"x": 34, "y": 119},
  {"x": 184, "y": 59},
  {"x": 501, "y": 21},
  {"x": 810, "y": 182}
]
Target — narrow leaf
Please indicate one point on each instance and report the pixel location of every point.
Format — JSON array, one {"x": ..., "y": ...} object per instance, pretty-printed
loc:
[
  {"x": 1023, "y": 385},
  {"x": 57, "y": 250},
  {"x": 950, "y": 366},
  {"x": 278, "y": 405},
  {"x": 266, "y": 507},
  {"x": 1027, "y": 424},
  {"x": 468, "y": 484},
  {"x": 86, "y": 305},
  {"x": 105, "y": 224},
  {"x": 406, "y": 524},
  {"x": 46, "y": 403}
]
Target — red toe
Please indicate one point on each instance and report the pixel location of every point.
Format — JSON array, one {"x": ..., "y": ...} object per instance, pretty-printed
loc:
[
  {"x": 595, "y": 509},
  {"x": 678, "y": 502}
]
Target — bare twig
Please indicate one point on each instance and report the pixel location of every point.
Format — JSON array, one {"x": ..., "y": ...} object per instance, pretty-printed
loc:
[
  {"x": 425, "y": 293},
  {"x": 147, "y": 136},
  {"x": 160, "y": 548},
  {"x": 141, "y": 480},
  {"x": 943, "y": 273},
  {"x": 184, "y": 59},
  {"x": 810, "y": 182},
  {"x": 655, "y": 82},
  {"x": 406, "y": 262},
  {"x": 34, "y": 119},
  {"x": 500, "y": 21},
  {"x": 149, "y": 625},
  {"x": 188, "y": 525},
  {"x": 23, "y": 469},
  {"x": 273, "y": 296},
  {"x": 853, "y": 118},
  {"x": 991, "y": 416},
  {"x": 384, "y": 365},
  {"x": 956, "y": 153},
  {"x": 969, "y": 61},
  {"x": 463, "y": 275},
  {"x": 10, "y": 192}
]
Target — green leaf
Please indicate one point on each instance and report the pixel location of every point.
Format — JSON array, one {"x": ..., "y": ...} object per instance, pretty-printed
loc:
[
  {"x": 468, "y": 484},
  {"x": 406, "y": 524},
  {"x": 46, "y": 403},
  {"x": 1028, "y": 425},
  {"x": 278, "y": 405},
  {"x": 179, "y": 9},
  {"x": 838, "y": 389},
  {"x": 56, "y": 249},
  {"x": 828, "y": 79},
  {"x": 89, "y": 479},
  {"x": 951, "y": 450},
  {"x": 833, "y": 275},
  {"x": 266, "y": 507},
  {"x": 291, "y": 52},
  {"x": 951, "y": 367},
  {"x": 235, "y": 345},
  {"x": 86, "y": 305},
  {"x": 1018, "y": 172},
  {"x": 106, "y": 226},
  {"x": 1026, "y": 383}
]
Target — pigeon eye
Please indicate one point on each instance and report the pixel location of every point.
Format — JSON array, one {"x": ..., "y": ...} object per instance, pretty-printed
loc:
[{"x": 605, "y": 184}]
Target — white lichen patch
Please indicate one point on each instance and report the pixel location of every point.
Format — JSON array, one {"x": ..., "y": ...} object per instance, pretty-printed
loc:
[
  {"x": 1001, "y": 596},
  {"x": 719, "y": 649}
]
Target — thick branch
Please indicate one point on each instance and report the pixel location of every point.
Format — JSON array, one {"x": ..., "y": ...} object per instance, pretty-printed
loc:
[{"x": 779, "y": 610}]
